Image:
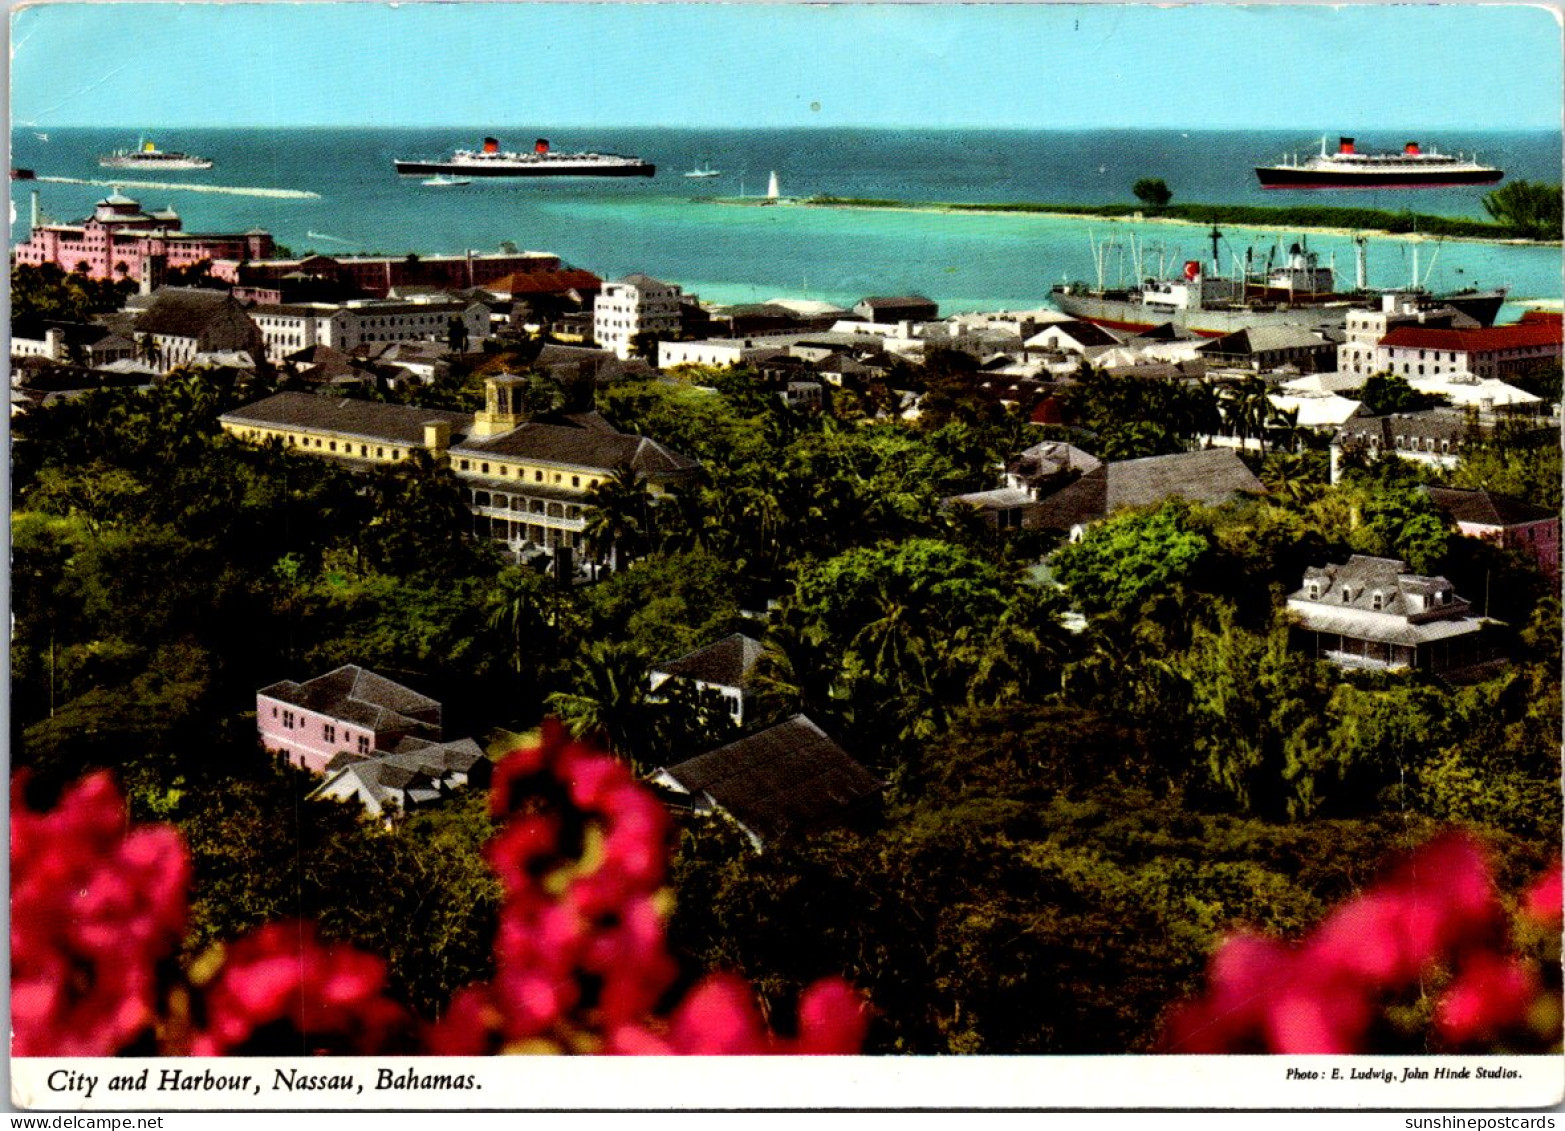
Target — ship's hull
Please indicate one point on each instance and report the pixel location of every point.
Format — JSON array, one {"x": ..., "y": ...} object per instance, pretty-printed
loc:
[
  {"x": 532, "y": 169},
  {"x": 172, "y": 165},
  {"x": 1287, "y": 176},
  {"x": 1121, "y": 314}
]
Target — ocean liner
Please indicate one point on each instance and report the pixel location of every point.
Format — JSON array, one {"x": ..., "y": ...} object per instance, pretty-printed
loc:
[
  {"x": 541, "y": 161},
  {"x": 148, "y": 156},
  {"x": 1348, "y": 168},
  {"x": 1299, "y": 292}
]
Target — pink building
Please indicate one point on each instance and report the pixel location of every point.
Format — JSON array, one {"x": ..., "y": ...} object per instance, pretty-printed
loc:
[
  {"x": 348, "y": 710},
  {"x": 1514, "y": 524},
  {"x": 119, "y": 240}
]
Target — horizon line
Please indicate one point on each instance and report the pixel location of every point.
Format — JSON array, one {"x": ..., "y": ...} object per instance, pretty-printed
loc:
[{"x": 942, "y": 128}]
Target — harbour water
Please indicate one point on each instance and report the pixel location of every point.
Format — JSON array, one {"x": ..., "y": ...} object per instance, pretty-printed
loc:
[{"x": 669, "y": 227}]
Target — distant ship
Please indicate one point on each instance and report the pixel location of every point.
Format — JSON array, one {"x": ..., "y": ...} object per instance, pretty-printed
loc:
[
  {"x": 149, "y": 156},
  {"x": 491, "y": 161},
  {"x": 1300, "y": 292},
  {"x": 703, "y": 171},
  {"x": 1348, "y": 168}
]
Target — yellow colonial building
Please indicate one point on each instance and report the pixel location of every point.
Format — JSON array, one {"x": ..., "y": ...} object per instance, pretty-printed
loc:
[{"x": 525, "y": 480}]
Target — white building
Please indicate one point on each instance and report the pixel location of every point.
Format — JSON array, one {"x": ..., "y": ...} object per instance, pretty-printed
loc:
[
  {"x": 636, "y": 304},
  {"x": 289, "y": 327}
]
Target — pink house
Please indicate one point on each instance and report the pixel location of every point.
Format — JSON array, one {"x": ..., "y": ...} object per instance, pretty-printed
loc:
[
  {"x": 349, "y": 709},
  {"x": 1514, "y": 524}
]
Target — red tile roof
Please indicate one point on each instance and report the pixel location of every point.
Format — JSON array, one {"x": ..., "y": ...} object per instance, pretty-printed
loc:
[
  {"x": 1528, "y": 333},
  {"x": 546, "y": 282}
]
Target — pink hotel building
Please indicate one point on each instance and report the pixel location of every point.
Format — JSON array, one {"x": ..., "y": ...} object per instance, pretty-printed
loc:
[{"x": 119, "y": 239}]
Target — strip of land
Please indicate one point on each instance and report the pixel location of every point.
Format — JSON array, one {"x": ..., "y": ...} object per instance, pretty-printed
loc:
[
  {"x": 1330, "y": 220},
  {"x": 231, "y": 190}
]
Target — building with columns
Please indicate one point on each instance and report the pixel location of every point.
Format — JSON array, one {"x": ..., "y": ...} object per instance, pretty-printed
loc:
[{"x": 527, "y": 481}]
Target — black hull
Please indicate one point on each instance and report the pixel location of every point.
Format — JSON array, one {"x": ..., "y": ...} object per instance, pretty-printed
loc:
[
  {"x": 446, "y": 167},
  {"x": 1285, "y": 177}
]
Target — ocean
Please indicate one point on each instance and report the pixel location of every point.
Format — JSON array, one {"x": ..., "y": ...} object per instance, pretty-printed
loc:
[{"x": 670, "y": 227}]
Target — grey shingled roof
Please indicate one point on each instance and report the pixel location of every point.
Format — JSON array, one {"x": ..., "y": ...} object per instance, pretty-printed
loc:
[
  {"x": 1051, "y": 458},
  {"x": 729, "y": 662},
  {"x": 1484, "y": 508},
  {"x": 1208, "y": 477},
  {"x": 183, "y": 312},
  {"x": 1428, "y": 425},
  {"x": 590, "y": 448},
  {"x": 784, "y": 779},
  {"x": 1354, "y": 584},
  {"x": 1263, "y": 339},
  {"x": 371, "y": 420},
  {"x": 357, "y": 695}
]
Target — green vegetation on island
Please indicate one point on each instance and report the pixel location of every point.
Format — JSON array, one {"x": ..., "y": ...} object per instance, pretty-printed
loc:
[{"x": 1522, "y": 216}]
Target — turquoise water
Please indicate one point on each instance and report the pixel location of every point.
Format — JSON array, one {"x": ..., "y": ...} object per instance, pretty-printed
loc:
[{"x": 669, "y": 227}]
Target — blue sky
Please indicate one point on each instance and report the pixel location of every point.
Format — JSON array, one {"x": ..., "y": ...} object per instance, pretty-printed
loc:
[{"x": 778, "y": 65}]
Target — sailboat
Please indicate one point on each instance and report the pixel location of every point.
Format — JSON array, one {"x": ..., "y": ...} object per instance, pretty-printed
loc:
[{"x": 703, "y": 171}]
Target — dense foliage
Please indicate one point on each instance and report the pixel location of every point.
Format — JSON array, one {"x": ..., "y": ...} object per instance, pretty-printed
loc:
[
  {"x": 1077, "y": 808},
  {"x": 1528, "y": 209}
]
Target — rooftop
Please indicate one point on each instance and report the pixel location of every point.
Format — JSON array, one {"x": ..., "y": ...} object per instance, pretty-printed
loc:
[
  {"x": 372, "y": 420},
  {"x": 1212, "y": 476},
  {"x": 727, "y": 662},
  {"x": 786, "y": 779}
]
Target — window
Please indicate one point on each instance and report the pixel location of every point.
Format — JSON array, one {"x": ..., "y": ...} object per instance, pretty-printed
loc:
[
  {"x": 483, "y": 469},
  {"x": 364, "y": 744},
  {"x": 328, "y": 732},
  {"x": 1315, "y": 591},
  {"x": 288, "y": 719},
  {"x": 1378, "y": 599},
  {"x": 1347, "y": 594},
  {"x": 274, "y": 709}
]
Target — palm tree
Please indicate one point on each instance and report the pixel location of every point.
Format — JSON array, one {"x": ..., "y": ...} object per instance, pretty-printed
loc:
[
  {"x": 520, "y": 605},
  {"x": 608, "y": 697},
  {"x": 619, "y": 517}
]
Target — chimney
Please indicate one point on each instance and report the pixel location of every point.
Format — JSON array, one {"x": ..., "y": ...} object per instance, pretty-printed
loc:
[
  {"x": 437, "y": 436},
  {"x": 1345, "y": 145}
]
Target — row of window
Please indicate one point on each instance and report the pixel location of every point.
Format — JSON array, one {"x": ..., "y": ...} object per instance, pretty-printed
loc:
[
  {"x": 328, "y": 730},
  {"x": 260, "y": 435},
  {"x": 504, "y": 470}
]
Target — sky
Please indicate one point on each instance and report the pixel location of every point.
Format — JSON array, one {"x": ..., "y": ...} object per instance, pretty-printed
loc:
[{"x": 933, "y": 65}]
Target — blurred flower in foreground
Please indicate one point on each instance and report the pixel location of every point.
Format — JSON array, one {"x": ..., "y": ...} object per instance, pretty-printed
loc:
[
  {"x": 1436, "y": 919},
  {"x": 581, "y": 955}
]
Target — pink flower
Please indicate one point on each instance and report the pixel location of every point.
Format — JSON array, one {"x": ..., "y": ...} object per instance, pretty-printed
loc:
[
  {"x": 1491, "y": 994},
  {"x": 94, "y": 909},
  {"x": 1543, "y": 900},
  {"x": 281, "y": 991},
  {"x": 1437, "y": 909}
]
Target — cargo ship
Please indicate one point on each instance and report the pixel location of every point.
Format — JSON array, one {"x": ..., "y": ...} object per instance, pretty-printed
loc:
[
  {"x": 1301, "y": 292},
  {"x": 1347, "y": 168},
  {"x": 540, "y": 161},
  {"x": 148, "y": 156}
]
